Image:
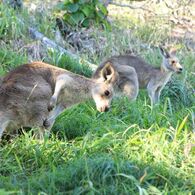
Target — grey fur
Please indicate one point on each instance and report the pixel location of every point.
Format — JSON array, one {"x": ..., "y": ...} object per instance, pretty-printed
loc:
[{"x": 149, "y": 77}]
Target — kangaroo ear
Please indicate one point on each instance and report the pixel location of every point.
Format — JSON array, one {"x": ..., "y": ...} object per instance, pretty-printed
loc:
[
  {"x": 164, "y": 53},
  {"x": 108, "y": 73},
  {"x": 173, "y": 51}
]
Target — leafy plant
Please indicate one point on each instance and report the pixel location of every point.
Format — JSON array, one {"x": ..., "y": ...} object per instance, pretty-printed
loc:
[{"x": 84, "y": 13}]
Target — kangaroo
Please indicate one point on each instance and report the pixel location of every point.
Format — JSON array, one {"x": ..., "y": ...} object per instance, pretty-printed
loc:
[
  {"x": 25, "y": 94},
  {"x": 150, "y": 77}
]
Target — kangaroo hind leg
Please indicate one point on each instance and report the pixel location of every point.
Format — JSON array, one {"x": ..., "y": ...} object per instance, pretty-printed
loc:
[{"x": 130, "y": 90}]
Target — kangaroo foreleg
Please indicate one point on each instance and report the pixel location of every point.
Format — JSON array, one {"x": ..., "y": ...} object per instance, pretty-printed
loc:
[
  {"x": 3, "y": 126},
  {"x": 1, "y": 132},
  {"x": 48, "y": 123},
  {"x": 151, "y": 93},
  {"x": 157, "y": 94},
  {"x": 61, "y": 82}
]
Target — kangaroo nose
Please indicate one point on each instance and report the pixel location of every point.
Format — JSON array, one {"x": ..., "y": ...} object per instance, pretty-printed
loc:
[
  {"x": 180, "y": 70},
  {"x": 106, "y": 109}
]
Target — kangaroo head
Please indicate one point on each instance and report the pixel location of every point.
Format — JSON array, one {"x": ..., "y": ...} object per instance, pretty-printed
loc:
[
  {"x": 103, "y": 89},
  {"x": 170, "y": 61}
]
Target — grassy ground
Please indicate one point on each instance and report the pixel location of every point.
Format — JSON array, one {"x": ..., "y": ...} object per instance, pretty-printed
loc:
[{"x": 132, "y": 149}]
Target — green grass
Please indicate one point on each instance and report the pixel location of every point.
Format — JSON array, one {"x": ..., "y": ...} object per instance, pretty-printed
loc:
[
  {"x": 9, "y": 60},
  {"x": 11, "y": 26},
  {"x": 137, "y": 149},
  {"x": 132, "y": 149}
]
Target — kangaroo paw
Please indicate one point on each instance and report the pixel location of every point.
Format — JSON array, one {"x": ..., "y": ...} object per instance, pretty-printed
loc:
[{"x": 52, "y": 104}]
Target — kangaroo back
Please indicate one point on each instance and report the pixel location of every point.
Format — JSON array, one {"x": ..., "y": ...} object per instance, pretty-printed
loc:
[{"x": 143, "y": 69}]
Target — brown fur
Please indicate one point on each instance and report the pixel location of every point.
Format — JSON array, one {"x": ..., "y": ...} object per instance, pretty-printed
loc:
[{"x": 25, "y": 94}]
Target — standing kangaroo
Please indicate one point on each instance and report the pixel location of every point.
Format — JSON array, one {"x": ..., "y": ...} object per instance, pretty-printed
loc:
[
  {"x": 25, "y": 94},
  {"x": 150, "y": 77}
]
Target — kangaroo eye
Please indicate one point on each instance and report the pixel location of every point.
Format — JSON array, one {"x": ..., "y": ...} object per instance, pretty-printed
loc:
[
  {"x": 106, "y": 93},
  {"x": 173, "y": 62}
]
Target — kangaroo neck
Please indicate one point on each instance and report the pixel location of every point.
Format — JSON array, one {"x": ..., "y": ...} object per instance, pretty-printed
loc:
[
  {"x": 84, "y": 90},
  {"x": 165, "y": 71},
  {"x": 78, "y": 92},
  {"x": 165, "y": 74}
]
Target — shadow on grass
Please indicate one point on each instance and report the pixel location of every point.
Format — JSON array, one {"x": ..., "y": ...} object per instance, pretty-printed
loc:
[{"x": 100, "y": 174}]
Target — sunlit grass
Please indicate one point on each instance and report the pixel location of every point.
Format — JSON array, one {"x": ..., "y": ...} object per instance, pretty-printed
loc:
[{"x": 132, "y": 149}]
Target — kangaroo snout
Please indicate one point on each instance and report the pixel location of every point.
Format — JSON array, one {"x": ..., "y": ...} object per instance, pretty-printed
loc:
[
  {"x": 180, "y": 70},
  {"x": 103, "y": 109},
  {"x": 106, "y": 109}
]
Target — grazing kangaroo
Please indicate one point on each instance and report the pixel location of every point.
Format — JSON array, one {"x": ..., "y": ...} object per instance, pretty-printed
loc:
[
  {"x": 150, "y": 77},
  {"x": 25, "y": 94}
]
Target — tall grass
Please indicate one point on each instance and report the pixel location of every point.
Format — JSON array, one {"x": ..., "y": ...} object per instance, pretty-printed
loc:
[
  {"x": 11, "y": 26},
  {"x": 10, "y": 59},
  {"x": 132, "y": 149}
]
